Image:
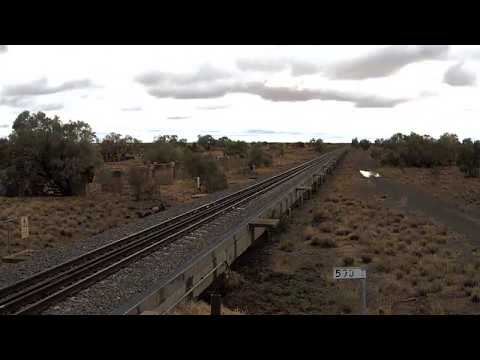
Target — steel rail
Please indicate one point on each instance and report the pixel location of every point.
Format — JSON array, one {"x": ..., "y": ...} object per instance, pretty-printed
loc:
[
  {"x": 68, "y": 281},
  {"x": 95, "y": 252}
]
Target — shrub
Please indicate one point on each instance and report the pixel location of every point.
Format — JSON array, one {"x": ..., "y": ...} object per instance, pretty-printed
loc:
[
  {"x": 318, "y": 145},
  {"x": 325, "y": 243},
  {"x": 137, "y": 178},
  {"x": 114, "y": 147},
  {"x": 236, "y": 148},
  {"x": 364, "y": 144},
  {"x": 308, "y": 233},
  {"x": 366, "y": 259},
  {"x": 163, "y": 152},
  {"x": 376, "y": 153},
  {"x": 420, "y": 151},
  {"x": 287, "y": 245},
  {"x": 355, "y": 143},
  {"x": 258, "y": 157},
  {"x": 475, "y": 296},
  {"x": 208, "y": 170},
  {"x": 206, "y": 141},
  {"x": 469, "y": 158},
  {"x": 319, "y": 216},
  {"x": 348, "y": 261}
]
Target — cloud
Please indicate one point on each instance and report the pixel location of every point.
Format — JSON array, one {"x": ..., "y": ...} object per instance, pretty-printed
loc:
[
  {"x": 262, "y": 64},
  {"x": 178, "y": 117},
  {"x": 3, "y": 48},
  {"x": 4, "y": 126},
  {"x": 16, "y": 101},
  {"x": 272, "y": 65},
  {"x": 158, "y": 87},
  {"x": 51, "y": 107},
  {"x": 40, "y": 87},
  {"x": 213, "y": 107},
  {"x": 205, "y": 73},
  {"x": 385, "y": 61},
  {"x": 133, "y": 108},
  {"x": 267, "y": 132},
  {"x": 458, "y": 76},
  {"x": 294, "y": 94},
  {"x": 194, "y": 92}
]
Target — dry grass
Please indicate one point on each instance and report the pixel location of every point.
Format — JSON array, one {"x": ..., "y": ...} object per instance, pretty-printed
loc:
[
  {"x": 448, "y": 184},
  {"x": 200, "y": 308}
]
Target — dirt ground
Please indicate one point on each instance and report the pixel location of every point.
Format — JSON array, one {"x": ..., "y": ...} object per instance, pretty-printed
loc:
[
  {"x": 62, "y": 220},
  {"x": 415, "y": 263},
  {"x": 447, "y": 183}
]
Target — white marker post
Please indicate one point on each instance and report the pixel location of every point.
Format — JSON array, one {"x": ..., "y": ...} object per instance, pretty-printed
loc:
[
  {"x": 24, "y": 227},
  {"x": 198, "y": 183},
  {"x": 352, "y": 273}
]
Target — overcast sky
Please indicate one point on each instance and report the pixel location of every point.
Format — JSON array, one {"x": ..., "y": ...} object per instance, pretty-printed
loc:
[{"x": 271, "y": 93}]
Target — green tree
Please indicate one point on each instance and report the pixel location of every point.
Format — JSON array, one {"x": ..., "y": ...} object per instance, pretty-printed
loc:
[
  {"x": 364, "y": 144},
  {"x": 206, "y": 141},
  {"x": 207, "y": 169},
  {"x": 166, "y": 148},
  {"x": 469, "y": 158},
  {"x": 46, "y": 152},
  {"x": 114, "y": 147},
  {"x": 318, "y": 144},
  {"x": 355, "y": 143},
  {"x": 259, "y": 157}
]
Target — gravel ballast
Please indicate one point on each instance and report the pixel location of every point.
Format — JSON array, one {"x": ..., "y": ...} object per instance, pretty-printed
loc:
[{"x": 137, "y": 278}]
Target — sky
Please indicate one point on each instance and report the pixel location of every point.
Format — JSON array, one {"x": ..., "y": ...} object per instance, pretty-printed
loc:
[{"x": 251, "y": 93}]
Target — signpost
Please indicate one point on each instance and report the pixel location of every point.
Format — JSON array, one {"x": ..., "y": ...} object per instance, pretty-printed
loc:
[
  {"x": 24, "y": 227},
  {"x": 198, "y": 183},
  {"x": 7, "y": 222},
  {"x": 353, "y": 273}
]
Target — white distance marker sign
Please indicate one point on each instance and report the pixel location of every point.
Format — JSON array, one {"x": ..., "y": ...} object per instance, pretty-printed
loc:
[{"x": 349, "y": 273}]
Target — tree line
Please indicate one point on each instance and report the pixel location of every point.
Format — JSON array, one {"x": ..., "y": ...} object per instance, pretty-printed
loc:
[
  {"x": 43, "y": 153},
  {"x": 425, "y": 151}
]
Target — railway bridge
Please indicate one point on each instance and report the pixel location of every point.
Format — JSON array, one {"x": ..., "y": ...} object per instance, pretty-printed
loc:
[{"x": 175, "y": 259}]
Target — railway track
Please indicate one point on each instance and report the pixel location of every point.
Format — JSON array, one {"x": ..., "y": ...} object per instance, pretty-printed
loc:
[{"x": 40, "y": 291}]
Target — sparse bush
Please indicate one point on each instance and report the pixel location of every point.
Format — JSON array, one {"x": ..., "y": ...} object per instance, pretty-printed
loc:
[
  {"x": 206, "y": 141},
  {"x": 384, "y": 266},
  {"x": 114, "y": 147},
  {"x": 323, "y": 242},
  {"x": 208, "y": 170},
  {"x": 418, "y": 151},
  {"x": 326, "y": 227},
  {"x": 376, "y": 153},
  {"x": 366, "y": 259},
  {"x": 348, "y": 261},
  {"x": 469, "y": 158},
  {"x": 163, "y": 152},
  {"x": 475, "y": 296},
  {"x": 355, "y": 143},
  {"x": 318, "y": 145},
  {"x": 258, "y": 157},
  {"x": 342, "y": 232},
  {"x": 308, "y": 233},
  {"x": 364, "y": 144},
  {"x": 319, "y": 216},
  {"x": 137, "y": 178},
  {"x": 105, "y": 177},
  {"x": 287, "y": 245},
  {"x": 236, "y": 148}
]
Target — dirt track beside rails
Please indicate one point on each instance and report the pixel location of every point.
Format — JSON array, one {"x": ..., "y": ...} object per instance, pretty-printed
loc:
[{"x": 419, "y": 259}]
